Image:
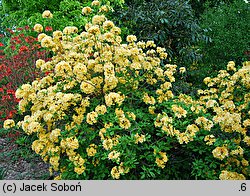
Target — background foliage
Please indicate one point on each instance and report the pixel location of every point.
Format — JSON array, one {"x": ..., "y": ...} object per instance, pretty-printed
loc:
[
  {"x": 28, "y": 12},
  {"x": 199, "y": 6},
  {"x": 171, "y": 24},
  {"x": 228, "y": 28}
]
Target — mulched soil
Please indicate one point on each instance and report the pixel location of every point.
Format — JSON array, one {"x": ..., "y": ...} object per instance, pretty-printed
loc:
[{"x": 20, "y": 169}]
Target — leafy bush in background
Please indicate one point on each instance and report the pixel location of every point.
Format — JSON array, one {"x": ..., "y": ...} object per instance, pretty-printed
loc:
[
  {"x": 27, "y": 12},
  {"x": 228, "y": 26},
  {"x": 199, "y": 6},
  {"x": 171, "y": 24}
]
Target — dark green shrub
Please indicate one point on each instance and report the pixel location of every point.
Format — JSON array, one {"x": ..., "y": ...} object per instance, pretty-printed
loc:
[
  {"x": 171, "y": 24},
  {"x": 199, "y": 6},
  {"x": 2, "y": 173},
  {"x": 228, "y": 26}
]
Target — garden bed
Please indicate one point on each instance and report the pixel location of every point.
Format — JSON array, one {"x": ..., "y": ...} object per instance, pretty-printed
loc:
[{"x": 15, "y": 167}]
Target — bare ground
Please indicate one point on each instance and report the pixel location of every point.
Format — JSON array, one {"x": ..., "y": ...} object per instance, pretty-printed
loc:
[{"x": 16, "y": 167}]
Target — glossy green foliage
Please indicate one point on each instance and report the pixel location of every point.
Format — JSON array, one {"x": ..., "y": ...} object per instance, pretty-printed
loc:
[
  {"x": 171, "y": 24},
  {"x": 229, "y": 30},
  {"x": 199, "y": 6},
  {"x": 16, "y": 13}
]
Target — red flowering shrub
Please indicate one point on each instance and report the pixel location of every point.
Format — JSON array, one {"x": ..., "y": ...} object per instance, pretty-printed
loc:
[{"x": 17, "y": 66}]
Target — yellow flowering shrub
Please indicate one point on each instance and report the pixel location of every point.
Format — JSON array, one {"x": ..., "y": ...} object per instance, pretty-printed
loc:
[{"x": 106, "y": 111}]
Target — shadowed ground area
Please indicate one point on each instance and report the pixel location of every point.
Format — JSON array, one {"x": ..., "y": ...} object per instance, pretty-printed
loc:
[{"x": 16, "y": 166}]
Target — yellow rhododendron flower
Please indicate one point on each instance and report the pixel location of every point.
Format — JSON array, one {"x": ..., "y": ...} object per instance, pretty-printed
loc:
[
  {"x": 47, "y": 14},
  {"x": 107, "y": 144},
  {"x": 114, "y": 155},
  {"x": 41, "y": 36},
  {"x": 8, "y": 123},
  {"x": 47, "y": 42},
  {"x": 115, "y": 173},
  {"x": 227, "y": 175},
  {"x": 220, "y": 152},
  {"x": 95, "y": 3},
  {"x": 101, "y": 109},
  {"x": 69, "y": 30},
  {"x": 92, "y": 118},
  {"x": 108, "y": 25},
  {"x": 231, "y": 66},
  {"x": 104, "y": 8},
  {"x": 86, "y": 10},
  {"x": 91, "y": 150},
  {"x": 38, "y": 28},
  {"x": 98, "y": 19},
  {"x": 87, "y": 87},
  {"x": 182, "y": 70},
  {"x": 179, "y": 111},
  {"x": 98, "y": 95},
  {"x": 39, "y": 63},
  {"x": 209, "y": 139},
  {"x": 139, "y": 138},
  {"x": 161, "y": 162},
  {"x": 124, "y": 123},
  {"x": 55, "y": 134},
  {"x": 131, "y": 38},
  {"x": 79, "y": 170}
]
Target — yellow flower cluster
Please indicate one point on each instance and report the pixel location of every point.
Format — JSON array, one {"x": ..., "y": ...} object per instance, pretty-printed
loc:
[
  {"x": 114, "y": 155},
  {"x": 78, "y": 162},
  {"x": 8, "y": 124},
  {"x": 86, "y": 10},
  {"x": 139, "y": 138},
  {"x": 67, "y": 31},
  {"x": 231, "y": 66},
  {"x": 104, "y": 8},
  {"x": 247, "y": 140},
  {"x": 229, "y": 113},
  {"x": 165, "y": 122},
  {"x": 204, "y": 123},
  {"x": 123, "y": 121},
  {"x": 108, "y": 144},
  {"x": 54, "y": 161},
  {"x": 227, "y": 175},
  {"x": 91, "y": 150},
  {"x": 148, "y": 99},
  {"x": 116, "y": 171},
  {"x": 239, "y": 151},
  {"x": 211, "y": 104},
  {"x": 92, "y": 118},
  {"x": 188, "y": 135},
  {"x": 101, "y": 109},
  {"x": 113, "y": 98},
  {"x": 70, "y": 143},
  {"x": 38, "y": 28},
  {"x": 161, "y": 159},
  {"x": 95, "y": 3},
  {"x": 131, "y": 38},
  {"x": 229, "y": 122},
  {"x": 182, "y": 70},
  {"x": 209, "y": 139},
  {"x": 220, "y": 152},
  {"x": 54, "y": 135},
  {"x": 179, "y": 111}
]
